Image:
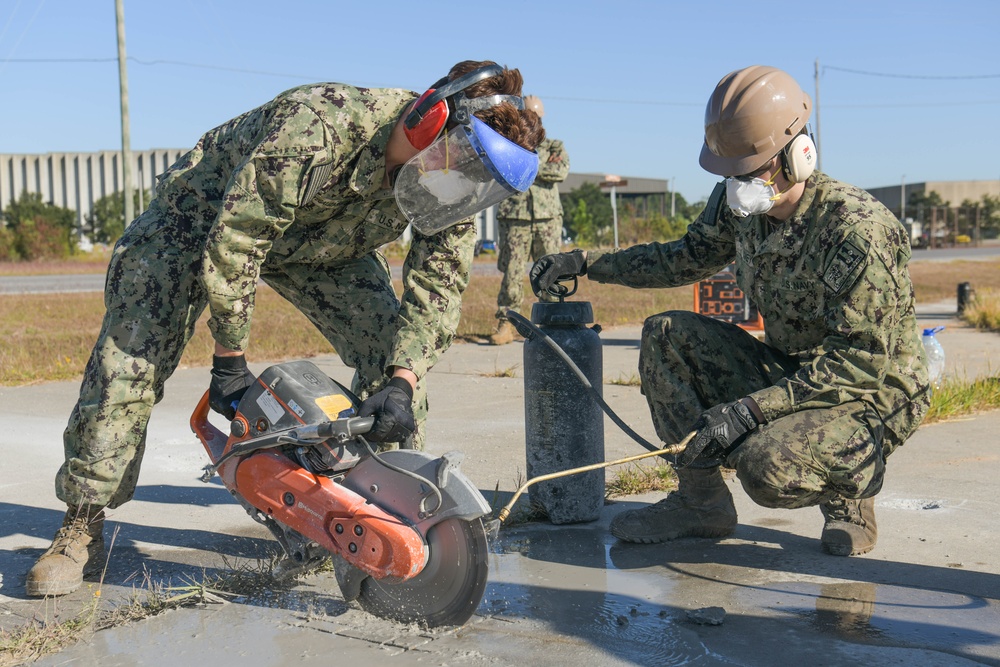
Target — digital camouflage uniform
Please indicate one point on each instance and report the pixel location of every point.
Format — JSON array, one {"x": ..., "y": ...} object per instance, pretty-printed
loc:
[
  {"x": 530, "y": 224},
  {"x": 841, "y": 376},
  {"x": 290, "y": 193}
]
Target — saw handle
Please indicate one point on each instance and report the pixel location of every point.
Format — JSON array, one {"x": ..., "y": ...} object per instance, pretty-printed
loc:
[{"x": 338, "y": 429}]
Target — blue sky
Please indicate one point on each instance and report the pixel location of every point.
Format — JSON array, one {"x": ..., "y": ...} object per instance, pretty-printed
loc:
[{"x": 906, "y": 88}]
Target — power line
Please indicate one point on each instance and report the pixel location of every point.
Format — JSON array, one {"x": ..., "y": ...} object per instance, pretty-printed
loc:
[
  {"x": 58, "y": 60},
  {"x": 910, "y": 105},
  {"x": 621, "y": 101},
  {"x": 589, "y": 100},
  {"x": 177, "y": 63},
  {"x": 913, "y": 76}
]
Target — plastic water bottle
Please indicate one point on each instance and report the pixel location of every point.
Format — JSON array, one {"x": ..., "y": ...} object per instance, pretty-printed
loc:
[{"x": 935, "y": 354}]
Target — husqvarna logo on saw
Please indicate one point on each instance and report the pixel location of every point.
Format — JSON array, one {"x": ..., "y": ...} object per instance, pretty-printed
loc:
[{"x": 305, "y": 507}]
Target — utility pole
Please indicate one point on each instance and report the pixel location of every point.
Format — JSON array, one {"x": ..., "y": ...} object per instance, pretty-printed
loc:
[
  {"x": 123, "y": 88},
  {"x": 819, "y": 152},
  {"x": 614, "y": 182},
  {"x": 673, "y": 207},
  {"x": 902, "y": 199}
]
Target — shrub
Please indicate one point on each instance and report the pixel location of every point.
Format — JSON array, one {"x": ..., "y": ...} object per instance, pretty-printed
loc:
[
  {"x": 40, "y": 239},
  {"x": 8, "y": 251},
  {"x": 40, "y": 230}
]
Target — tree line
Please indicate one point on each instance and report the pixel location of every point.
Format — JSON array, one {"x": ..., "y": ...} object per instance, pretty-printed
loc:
[{"x": 32, "y": 229}]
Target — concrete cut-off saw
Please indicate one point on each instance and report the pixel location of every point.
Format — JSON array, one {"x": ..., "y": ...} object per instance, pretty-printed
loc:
[{"x": 404, "y": 529}]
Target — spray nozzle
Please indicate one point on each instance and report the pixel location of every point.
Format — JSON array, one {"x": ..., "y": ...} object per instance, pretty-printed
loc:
[{"x": 932, "y": 331}]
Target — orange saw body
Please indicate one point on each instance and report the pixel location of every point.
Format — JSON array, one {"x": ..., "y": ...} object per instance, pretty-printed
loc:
[{"x": 404, "y": 528}]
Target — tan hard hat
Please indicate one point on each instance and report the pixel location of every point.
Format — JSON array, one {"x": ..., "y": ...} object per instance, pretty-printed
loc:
[
  {"x": 535, "y": 104},
  {"x": 753, "y": 114}
]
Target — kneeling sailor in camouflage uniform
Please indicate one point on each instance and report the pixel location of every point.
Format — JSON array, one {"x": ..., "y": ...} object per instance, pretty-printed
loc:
[
  {"x": 810, "y": 415},
  {"x": 298, "y": 193}
]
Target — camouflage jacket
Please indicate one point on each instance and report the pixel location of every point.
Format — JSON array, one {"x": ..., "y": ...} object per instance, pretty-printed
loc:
[
  {"x": 541, "y": 200},
  {"x": 299, "y": 181},
  {"x": 832, "y": 285}
]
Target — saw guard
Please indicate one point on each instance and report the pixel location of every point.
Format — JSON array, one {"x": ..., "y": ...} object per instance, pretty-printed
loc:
[{"x": 338, "y": 519}]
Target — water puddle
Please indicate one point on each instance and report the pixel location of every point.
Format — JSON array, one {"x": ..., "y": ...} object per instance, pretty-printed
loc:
[
  {"x": 565, "y": 580},
  {"x": 886, "y": 614}
]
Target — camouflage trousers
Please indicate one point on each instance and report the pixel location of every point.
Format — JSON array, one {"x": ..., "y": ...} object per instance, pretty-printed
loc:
[
  {"x": 689, "y": 363},
  {"x": 519, "y": 242},
  {"x": 154, "y": 299}
]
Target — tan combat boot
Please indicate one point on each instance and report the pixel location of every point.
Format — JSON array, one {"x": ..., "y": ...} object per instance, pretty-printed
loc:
[
  {"x": 77, "y": 549},
  {"x": 700, "y": 507},
  {"x": 504, "y": 334},
  {"x": 850, "y": 528}
]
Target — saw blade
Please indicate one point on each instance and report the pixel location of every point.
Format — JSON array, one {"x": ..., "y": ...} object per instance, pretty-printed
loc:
[{"x": 449, "y": 588}]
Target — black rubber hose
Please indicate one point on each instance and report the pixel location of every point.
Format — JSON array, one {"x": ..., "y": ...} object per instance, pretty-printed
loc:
[{"x": 527, "y": 329}]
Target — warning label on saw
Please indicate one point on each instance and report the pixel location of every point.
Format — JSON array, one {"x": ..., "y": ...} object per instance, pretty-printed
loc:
[{"x": 269, "y": 404}]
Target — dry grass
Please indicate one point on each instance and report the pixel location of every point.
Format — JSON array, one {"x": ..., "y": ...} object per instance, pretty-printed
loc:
[
  {"x": 630, "y": 380},
  {"x": 637, "y": 478},
  {"x": 956, "y": 398},
  {"x": 40, "y": 637},
  {"x": 48, "y": 337},
  {"x": 497, "y": 372},
  {"x": 95, "y": 262},
  {"x": 984, "y": 311},
  {"x": 936, "y": 281}
]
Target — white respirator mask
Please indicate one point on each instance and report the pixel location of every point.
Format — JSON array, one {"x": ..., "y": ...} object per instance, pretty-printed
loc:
[{"x": 752, "y": 195}]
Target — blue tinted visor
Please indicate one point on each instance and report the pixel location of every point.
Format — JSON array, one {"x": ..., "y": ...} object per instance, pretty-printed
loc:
[
  {"x": 513, "y": 166},
  {"x": 464, "y": 171}
]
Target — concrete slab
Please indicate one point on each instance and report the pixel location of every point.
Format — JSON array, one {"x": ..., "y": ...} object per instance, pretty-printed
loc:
[{"x": 558, "y": 595}]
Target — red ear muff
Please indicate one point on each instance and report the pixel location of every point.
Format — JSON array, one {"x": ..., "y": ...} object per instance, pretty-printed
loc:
[{"x": 428, "y": 124}]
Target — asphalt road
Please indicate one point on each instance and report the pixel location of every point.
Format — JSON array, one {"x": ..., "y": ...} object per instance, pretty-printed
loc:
[{"x": 94, "y": 282}]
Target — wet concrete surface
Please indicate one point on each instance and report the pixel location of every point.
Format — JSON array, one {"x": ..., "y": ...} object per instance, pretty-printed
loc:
[
  {"x": 571, "y": 595},
  {"x": 929, "y": 594}
]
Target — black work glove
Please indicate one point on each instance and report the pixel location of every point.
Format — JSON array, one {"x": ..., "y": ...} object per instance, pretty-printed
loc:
[
  {"x": 720, "y": 430},
  {"x": 551, "y": 268},
  {"x": 393, "y": 411},
  {"x": 230, "y": 380}
]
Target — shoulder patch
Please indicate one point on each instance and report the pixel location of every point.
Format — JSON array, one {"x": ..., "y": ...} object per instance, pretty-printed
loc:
[{"x": 847, "y": 264}]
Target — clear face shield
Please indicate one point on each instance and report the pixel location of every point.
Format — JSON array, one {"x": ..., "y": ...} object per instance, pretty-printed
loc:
[{"x": 463, "y": 172}]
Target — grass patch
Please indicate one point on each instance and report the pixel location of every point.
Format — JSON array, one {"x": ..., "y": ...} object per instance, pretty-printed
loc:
[
  {"x": 92, "y": 262},
  {"x": 636, "y": 478},
  {"x": 984, "y": 311},
  {"x": 936, "y": 281},
  {"x": 48, "y": 337},
  {"x": 45, "y": 337},
  {"x": 632, "y": 380},
  {"x": 39, "y": 638},
  {"x": 957, "y": 398},
  {"x": 509, "y": 372}
]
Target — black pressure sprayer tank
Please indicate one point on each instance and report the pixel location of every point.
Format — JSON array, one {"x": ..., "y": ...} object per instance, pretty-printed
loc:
[{"x": 564, "y": 424}]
